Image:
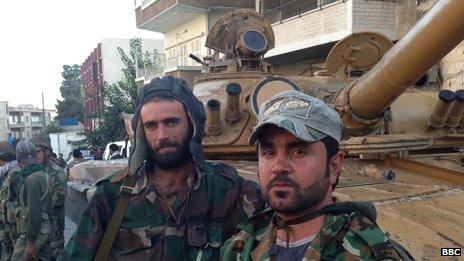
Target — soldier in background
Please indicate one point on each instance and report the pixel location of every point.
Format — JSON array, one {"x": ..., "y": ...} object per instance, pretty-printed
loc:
[
  {"x": 76, "y": 158},
  {"x": 9, "y": 195},
  {"x": 60, "y": 161},
  {"x": 36, "y": 207},
  {"x": 299, "y": 166},
  {"x": 58, "y": 181}
]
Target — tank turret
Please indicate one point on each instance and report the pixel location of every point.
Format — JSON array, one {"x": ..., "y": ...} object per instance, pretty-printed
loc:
[{"x": 364, "y": 78}]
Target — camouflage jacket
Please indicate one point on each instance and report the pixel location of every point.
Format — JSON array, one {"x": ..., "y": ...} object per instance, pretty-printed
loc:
[
  {"x": 9, "y": 193},
  {"x": 36, "y": 205},
  {"x": 58, "y": 181},
  {"x": 207, "y": 213},
  {"x": 342, "y": 237}
]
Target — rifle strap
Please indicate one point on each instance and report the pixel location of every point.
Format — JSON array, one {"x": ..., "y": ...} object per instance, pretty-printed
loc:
[{"x": 125, "y": 194}]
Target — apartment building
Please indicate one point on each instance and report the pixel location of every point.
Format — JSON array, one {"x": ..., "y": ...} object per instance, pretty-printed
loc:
[
  {"x": 104, "y": 65},
  {"x": 3, "y": 120},
  {"x": 185, "y": 25},
  {"x": 25, "y": 121}
]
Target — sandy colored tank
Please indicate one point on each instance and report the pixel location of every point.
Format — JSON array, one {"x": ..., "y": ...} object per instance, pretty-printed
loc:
[
  {"x": 404, "y": 145},
  {"x": 402, "y": 142}
]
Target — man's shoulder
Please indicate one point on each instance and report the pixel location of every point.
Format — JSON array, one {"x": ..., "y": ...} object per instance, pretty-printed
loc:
[
  {"x": 53, "y": 168},
  {"x": 222, "y": 171},
  {"x": 360, "y": 236}
]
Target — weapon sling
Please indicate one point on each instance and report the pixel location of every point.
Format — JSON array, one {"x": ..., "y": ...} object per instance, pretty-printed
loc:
[{"x": 125, "y": 194}]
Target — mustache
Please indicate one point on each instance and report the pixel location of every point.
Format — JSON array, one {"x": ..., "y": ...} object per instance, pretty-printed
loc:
[
  {"x": 165, "y": 144},
  {"x": 282, "y": 179}
]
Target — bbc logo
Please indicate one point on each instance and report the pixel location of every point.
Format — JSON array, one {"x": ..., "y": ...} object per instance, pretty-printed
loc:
[{"x": 451, "y": 251}]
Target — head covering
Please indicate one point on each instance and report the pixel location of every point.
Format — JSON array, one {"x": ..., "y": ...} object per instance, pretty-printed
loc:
[
  {"x": 177, "y": 89},
  {"x": 42, "y": 141},
  {"x": 305, "y": 116},
  {"x": 6, "y": 148},
  {"x": 25, "y": 152}
]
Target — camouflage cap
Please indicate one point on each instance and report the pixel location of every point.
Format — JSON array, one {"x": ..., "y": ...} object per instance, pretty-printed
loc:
[
  {"x": 306, "y": 117},
  {"x": 42, "y": 141},
  {"x": 6, "y": 148}
]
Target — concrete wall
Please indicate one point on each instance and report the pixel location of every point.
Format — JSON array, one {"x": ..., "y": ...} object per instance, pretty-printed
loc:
[
  {"x": 187, "y": 38},
  {"x": 313, "y": 28},
  {"x": 3, "y": 120},
  {"x": 378, "y": 16},
  {"x": 303, "y": 68},
  {"x": 62, "y": 142},
  {"x": 112, "y": 64},
  {"x": 452, "y": 69}
]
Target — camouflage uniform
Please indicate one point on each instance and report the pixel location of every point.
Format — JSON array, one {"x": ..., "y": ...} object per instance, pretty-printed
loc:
[
  {"x": 9, "y": 206},
  {"x": 204, "y": 213},
  {"x": 58, "y": 180},
  {"x": 35, "y": 209},
  {"x": 347, "y": 236},
  {"x": 218, "y": 201}
]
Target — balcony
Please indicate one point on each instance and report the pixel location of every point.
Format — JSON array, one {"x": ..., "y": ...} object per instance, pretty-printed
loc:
[
  {"x": 307, "y": 29},
  {"x": 164, "y": 15}
]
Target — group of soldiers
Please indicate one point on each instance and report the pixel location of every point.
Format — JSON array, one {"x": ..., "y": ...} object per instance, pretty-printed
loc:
[{"x": 32, "y": 194}]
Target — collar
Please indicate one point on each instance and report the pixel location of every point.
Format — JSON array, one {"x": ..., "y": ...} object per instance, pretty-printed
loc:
[{"x": 142, "y": 180}]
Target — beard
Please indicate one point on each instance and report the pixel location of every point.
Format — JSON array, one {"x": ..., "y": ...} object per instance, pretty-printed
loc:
[
  {"x": 298, "y": 199},
  {"x": 169, "y": 160}
]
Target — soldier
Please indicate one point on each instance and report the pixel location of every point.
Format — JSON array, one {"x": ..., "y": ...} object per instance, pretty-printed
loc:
[
  {"x": 35, "y": 207},
  {"x": 58, "y": 181},
  {"x": 9, "y": 193},
  {"x": 60, "y": 161},
  {"x": 299, "y": 166},
  {"x": 181, "y": 207}
]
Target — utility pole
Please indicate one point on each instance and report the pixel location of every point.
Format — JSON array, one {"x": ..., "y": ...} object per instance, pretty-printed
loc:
[{"x": 43, "y": 110}]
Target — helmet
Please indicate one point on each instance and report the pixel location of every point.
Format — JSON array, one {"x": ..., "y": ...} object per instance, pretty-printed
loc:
[
  {"x": 6, "y": 148},
  {"x": 42, "y": 141}
]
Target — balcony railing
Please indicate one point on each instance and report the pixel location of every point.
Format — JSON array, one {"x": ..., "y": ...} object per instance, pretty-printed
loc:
[{"x": 294, "y": 8}]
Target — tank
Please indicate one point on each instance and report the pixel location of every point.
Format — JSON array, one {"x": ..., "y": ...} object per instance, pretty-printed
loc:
[
  {"x": 236, "y": 80},
  {"x": 403, "y": 143}
]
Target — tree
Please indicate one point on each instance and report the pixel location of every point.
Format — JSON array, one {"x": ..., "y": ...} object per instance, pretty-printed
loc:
[
  {"x": 119, "y": 98},
  {"x": 70, "y": 89}
]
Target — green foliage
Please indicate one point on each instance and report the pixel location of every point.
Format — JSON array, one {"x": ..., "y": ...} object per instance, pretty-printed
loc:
[
  {"x": 70, "y": 89},
  {"x": 119, "y": 98},
  {"x": 52, "y": 127}
]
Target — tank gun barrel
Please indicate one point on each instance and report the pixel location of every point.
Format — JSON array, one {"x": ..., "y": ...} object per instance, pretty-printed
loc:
[
  {"x": 197, "y": 59},
  {"x": 433, "y": 36}
]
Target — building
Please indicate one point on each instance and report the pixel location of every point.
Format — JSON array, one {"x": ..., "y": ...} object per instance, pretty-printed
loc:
[
  {"x": 185, "y": 25},
  {"x": 104, "y": 65},
  {"x": 3, "y": 120},
  {"x": 25, "y": 121},
  {"x": 306, "y": 30}
]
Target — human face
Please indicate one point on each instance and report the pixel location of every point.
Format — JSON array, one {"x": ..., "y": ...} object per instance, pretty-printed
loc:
[
  {"x": 40, "y": 152},
  {"x": 294, "y": 174},
  {"x": 167, "y": 132}
]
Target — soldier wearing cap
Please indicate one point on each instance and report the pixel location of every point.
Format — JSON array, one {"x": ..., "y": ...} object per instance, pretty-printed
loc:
[
  {"x": 35, "y": 207},
  {"x": 58, "y": 181},
  {"x": 299, "y": 166},
  {"x": 9, "y": 192}
]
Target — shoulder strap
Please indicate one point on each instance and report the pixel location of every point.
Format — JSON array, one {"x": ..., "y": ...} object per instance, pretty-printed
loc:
[{"x": 125, "y": 194}]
